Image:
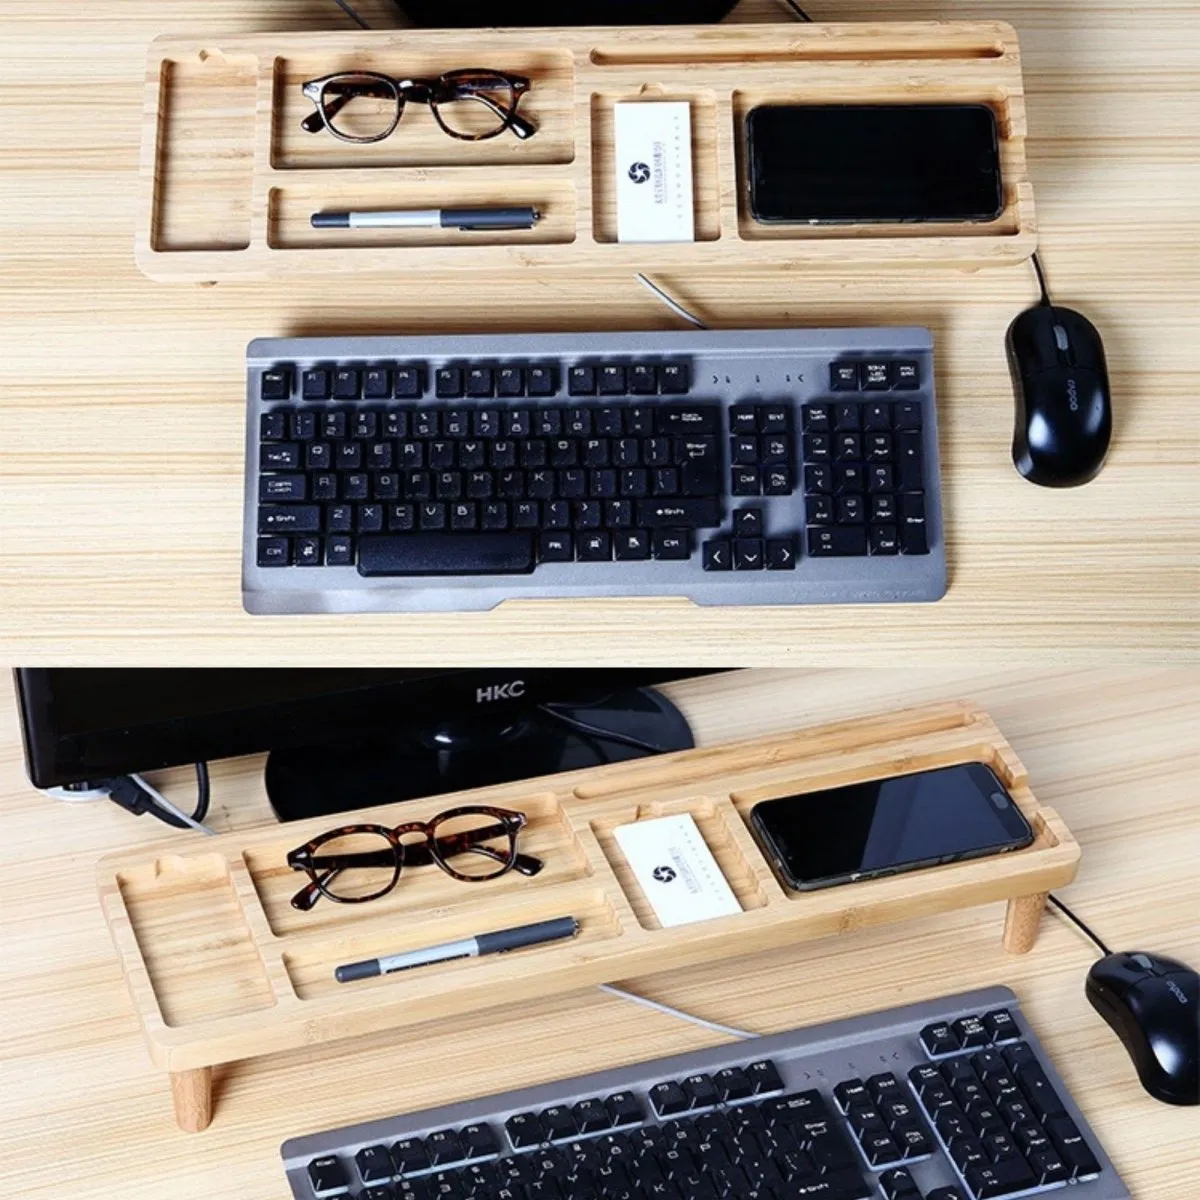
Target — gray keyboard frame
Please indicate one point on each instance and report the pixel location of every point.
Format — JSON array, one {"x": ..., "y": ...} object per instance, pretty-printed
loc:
[
  {"x": 821, "y": 1056},
  {"x": 728, "y": 368}
]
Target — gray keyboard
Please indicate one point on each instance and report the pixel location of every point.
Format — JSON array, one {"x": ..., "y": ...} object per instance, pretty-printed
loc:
[
  {"x": 951, "y": 1099},
  {"x": 445, "y": 473}
]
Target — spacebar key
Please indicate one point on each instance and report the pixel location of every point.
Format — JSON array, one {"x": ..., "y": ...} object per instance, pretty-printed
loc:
[{"x": 447, "y": 554}]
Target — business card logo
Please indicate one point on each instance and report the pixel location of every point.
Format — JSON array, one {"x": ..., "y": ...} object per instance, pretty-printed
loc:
[
  {"x": 664, "y": 874},
  {"x": 640, "y": 172}
]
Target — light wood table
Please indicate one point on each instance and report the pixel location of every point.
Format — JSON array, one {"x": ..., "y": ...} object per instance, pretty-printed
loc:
[
  {"x": 85, "y": 1115},
  {"x": 121, "y": 400}
]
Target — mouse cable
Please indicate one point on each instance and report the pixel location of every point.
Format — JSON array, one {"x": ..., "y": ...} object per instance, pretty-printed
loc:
[
  {"x": 801, "y": 15},
  {"x": 1072, "y": 917},
  {"x": 345, "y": 7},
  {"x": 732, "y": 1031},
  {"x": 599, "y": 732},
  {"x": 1041, "y": 278},
  {"x": 135, "y": 795},
  {"x": 670, "y": 301}
]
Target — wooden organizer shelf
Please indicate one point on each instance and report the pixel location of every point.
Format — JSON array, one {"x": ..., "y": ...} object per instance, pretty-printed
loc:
[
  {"x": 221, "y": 968},
  {"x": 229, "y": 179}
]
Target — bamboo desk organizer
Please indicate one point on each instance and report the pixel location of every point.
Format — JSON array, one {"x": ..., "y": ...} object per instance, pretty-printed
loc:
[
  {"x": 221, "y": 968},
  {"x": 229, "y": 179}
]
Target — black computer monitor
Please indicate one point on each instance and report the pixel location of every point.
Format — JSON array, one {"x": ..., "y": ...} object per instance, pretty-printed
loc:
[{"x": 343, "y": 739}]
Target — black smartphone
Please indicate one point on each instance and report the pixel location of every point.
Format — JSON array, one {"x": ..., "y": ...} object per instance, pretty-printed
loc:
[
  {"x": 872, "y": 163},
  {"x": 885, "y": 826}
]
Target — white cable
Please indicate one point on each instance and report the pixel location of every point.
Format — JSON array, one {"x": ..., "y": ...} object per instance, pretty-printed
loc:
[
  {"x": 715, "y": 1026},
  {"x": 670, "y": 301},
  {"x": 75, "y": 796},
  {"x": 164, "y": 803}
]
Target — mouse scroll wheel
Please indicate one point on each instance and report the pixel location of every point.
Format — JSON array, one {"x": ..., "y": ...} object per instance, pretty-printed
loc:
[
  {"x": 1145, "y": 963},
  {"x": 1060, "y": 337}
]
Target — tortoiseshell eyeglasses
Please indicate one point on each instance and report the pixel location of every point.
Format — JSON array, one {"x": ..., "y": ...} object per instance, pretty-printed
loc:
[{"x": 358, "y": 863}]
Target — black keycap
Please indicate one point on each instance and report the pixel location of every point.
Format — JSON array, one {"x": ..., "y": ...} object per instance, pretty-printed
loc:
[
  {"x": 274, "y": 552},
  {"x": 939, "y": 1038},
  {"x": 402, "y": 518},
  {"x": 1001, "y": 1027},
  {"x": 879, "y": 1149},
  {"x": 906, "y": 376},
  {"x": 733, "y": 1083},
  {"x": 485, "y": 423},
  {"x": 1038, "y": 1090},
  {"x": 339, "y": 518},
  {"x": 408, "y": 383},
  {"x": 282, "y": 488},
  {"x": 781, "y": 554},
  {"x": 843, "y": 541},
  {"x": 557, "y": 515},
  {"x": 668, "y": 1099},
  {"x": 664, "y": 481},
  {"x": 851, "y": 510},
  {"x": 377, "y": 383},
  {"x": 671, "y": 544},
  {"x": 743, "y": 420},
  {"x": 327, "y": 1177},
  {"x": 699, "y": 460},
  {"x": 946, "y": 1193},
  {"x": 877, "y": 418},
  {"x": 1069, "y": 1143},
  {"x": 907, "y": 415},
  {"x": 848, "y": 477},
  {"x": 595, "y": 547},
  {"x": 896, "y": 1111},
  {"x": 292, "y": 518},
  {"x": 853, "y": 1091},
  {"x": 333, "y": 424},
  {"x": 611, "y": 381},
  {"x": 632, "y": 545},
  {"x": 308, "y": 552},
  {"x": 876, "y": 376},
  {"x": 819, "y": 509},
  {"x": 999, "y": 1179},
  {"x": 447, "y": 554},
  {"x": 884, "y": 540},
  {"x": 449, "y": 383},
  {"x": 347, "y": 384},
  {"x": 625, "y": 1109},
  {"x": 339, "y": 551},
  {"x": 968, "y": 1152},
  {"x": 317, "y": 384},
  {"x": 775, "y": 449},
  {"x": 379, "y": 1192},
  {"x": 374, "y": 1165},
  {"x": 679, "y": 514},
  {"x": 279, "y": 456},
  {"x": 559, "y": 1123},
  {"x": 898, "y": 1184},
  {"x": 718, "y": 555},
  {"x": 778, "y": 481},
  {"x": 880, "y": 479},
  {"x": 747, "y": 481},
  {"x": 748, "y": 523},
  {"x": 355, "y": 486},
  {"x": 843, "y": 377},
  {"x": 1048, "y": 1167},
  {"x": 912, "y": 1139},
  {"x": 818, "y": 418},
  {"x": 674, "y": 379},
  {"x": 970, "y": 1032},
  {"x": 775, "y": 418},
  {"x": 592, "y": 1116},
  {"x": 479, "y": 382},
  {"x": 748, "y": 555},
  {"x": 847, "y": 417},
  {"x": 276, "y": 384},
  {"x": 304, "y": 425},
  {"x": 272, "y": 426},
  {"x": 643, "y": 380},
  {"x": 581, "y": 381},
  {"x": 688, "y": 420},
  {"x": 525, "y": 1129},
  {"x": 556, "y": 547},
  {"x": 848, "y": 447},
  {"x": 818, "y": 447}
]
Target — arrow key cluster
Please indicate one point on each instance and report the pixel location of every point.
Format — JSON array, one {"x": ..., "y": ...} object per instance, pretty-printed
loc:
[{"x": 748, "y": 549}]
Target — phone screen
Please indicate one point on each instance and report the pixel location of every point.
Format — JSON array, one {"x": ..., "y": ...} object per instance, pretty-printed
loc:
[
  {"x": 891, "y": 824},
  {"x": 874, "y": 163}
]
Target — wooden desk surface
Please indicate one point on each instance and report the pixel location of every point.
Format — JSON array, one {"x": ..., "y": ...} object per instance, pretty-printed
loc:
[
  {"x": 121, "y": 400},
  {"x": 85, "y": 1115}
]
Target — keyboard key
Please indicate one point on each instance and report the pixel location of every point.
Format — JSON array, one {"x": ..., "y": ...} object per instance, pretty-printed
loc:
[
  {"x": 295, "y": 518},
  {"x": 1001, "y": 1027},
  {"x": 317, "y": 384},
  {"x": 946, "y": 1193},
  {"x": 1069, "y": 1143},
  {"x": 970, "y": 1033},
  {"x": 748, "y": 523},
  {"x": 327, "y": 1177},
  {"x": 447, "y": 554},
  {"x": 274, "y": 552},
  {"x": 884, "y": 540},
  {"x": 843, "y": 377},
  {"x": 733, "y": 1083},
  {"x": 876, "y": 376},
  {"x": 556, "y": 547},
  {"x": 276, "y": 384},
  {"x": 374, "y": 1165},
  {"x": 679, "y": 514},
  {"x": 643, "y": 380},
  {"x": 674, "y": 379},
  {"x": 748, "y": 555},
  {"x": 581, "y": 381},
  {"x": 850, "y": 1093},
  {"x": 718, "y": 555},
  {"x": 525, "y": 1129},
  {"x": 669, "y": 1099},
  {"x": 281, "y": 456},
  {"x": 688, "y": 419},
  {"x": 912, "y": 1139},
  {"x": 479, "y": 382},
  {"x": 347, "y": 384},
  {"x": 879, "y": 1149},
  {"x": 632, "y": 545},
  {"x": 671, "y": 544},
  {"x": 999, "y": 1179},
  {"x": 282, "y": 488},
  {"x": 906, "y": 376},
  {"x": 408, "y": 383},
  {"x": 592, "y": 1116},
  {"x": 340, "y": 551},
  {"x": 778, "y": 481},
  {"x": 747, "y": 482},
  {"x": 308, "y": 552},
  {"x": 845, "y": 541},
  {"x": 898, "y": 1184},
  {"x": 595, "y": 547},
  {"x": 781, "y": 554},
  {"x": 907, "y": 415},
  {"x": 559, "y": 1123},
  {"x": 846, "y": 417},
  {"x": 625, "y": 1109},
  {"x": 611, "y": 381},
  {"x": 1049, "y": 1167}
]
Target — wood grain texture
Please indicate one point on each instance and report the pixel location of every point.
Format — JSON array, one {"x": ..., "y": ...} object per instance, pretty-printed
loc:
[
  {"x": 121, "y": 400},
  {"x": 1115, "y": 752},
  {"x": 222, "y": 139},
  {"x": 221, "y": 970}
]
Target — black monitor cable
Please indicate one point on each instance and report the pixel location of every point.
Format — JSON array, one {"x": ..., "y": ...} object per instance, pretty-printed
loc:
[
  {"x": 345, "y": 7},
  {"x": 135, "y": 795},
  {"x": 800, "y": 14},
  {"x": 598, "y": 731}
]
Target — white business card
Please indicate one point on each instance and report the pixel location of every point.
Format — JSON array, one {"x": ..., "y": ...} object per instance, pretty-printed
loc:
[
  {"x": 655, "y": 196},
  {"x": 676, "y": 870}
]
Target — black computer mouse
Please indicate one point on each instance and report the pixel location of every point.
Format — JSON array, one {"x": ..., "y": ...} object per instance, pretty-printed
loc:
[
  {"x": 1064, "y": 404},
  {"x": 1153, "y": 1006}
]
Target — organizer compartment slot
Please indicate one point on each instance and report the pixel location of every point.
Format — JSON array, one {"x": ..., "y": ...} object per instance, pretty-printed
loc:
[
  {"x": 204, "y": 172},
  {"x": 192, "y": 933},
  {"x": 951, "y": 91},
  {"x": 426, "y": 889},
  {"x": 311, "y": 967},
  {"x": 292, "y": 205},
  {"x": 418, "y": 140},
  {"x": 731, "y": 847},
  {"x": 734, "y": 54},
  {"x": 706, "y": 166}
]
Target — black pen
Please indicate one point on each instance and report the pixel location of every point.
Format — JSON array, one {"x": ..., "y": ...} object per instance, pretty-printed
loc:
[
  {"x": 500, "y": 942},
  {"x": 469, "y": 219}
]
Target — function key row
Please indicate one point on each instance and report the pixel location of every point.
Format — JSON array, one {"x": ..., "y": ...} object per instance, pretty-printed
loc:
[
  {"x": 562, "y": 1122},
  {"x": 874, "y": 375},
  {"x": 728, "y": 1086},
  {"x": 455, "y": 381}
]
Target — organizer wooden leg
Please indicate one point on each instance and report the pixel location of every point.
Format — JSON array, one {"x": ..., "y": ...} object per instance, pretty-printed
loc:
[
  {"x": 1022, "y": 921},
  {"x": 192, "y": 1094}
]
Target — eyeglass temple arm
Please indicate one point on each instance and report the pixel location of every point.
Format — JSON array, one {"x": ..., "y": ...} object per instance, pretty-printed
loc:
[
  {"x": 342, "y": 94},
  {"x": 522, "y": 128},
  {"x": 310, "y": 893}
]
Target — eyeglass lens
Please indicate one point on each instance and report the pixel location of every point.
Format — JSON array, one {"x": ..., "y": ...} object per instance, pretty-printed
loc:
[
  {"x": 477, "y": 845},
  {"x": 361, "y": 107},
  {"x": 373, "y": 869}
]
